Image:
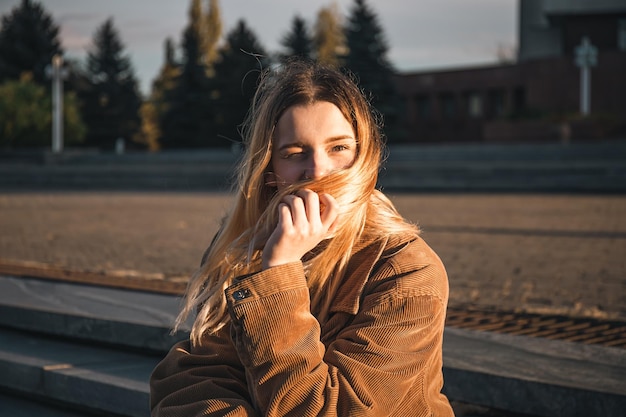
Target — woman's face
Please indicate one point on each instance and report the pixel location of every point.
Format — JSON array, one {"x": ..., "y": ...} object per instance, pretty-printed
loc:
[{"x": 311, "y": 141}]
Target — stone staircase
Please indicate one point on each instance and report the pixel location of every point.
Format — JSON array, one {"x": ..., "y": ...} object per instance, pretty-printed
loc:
[{"x": 82, "y": 348}]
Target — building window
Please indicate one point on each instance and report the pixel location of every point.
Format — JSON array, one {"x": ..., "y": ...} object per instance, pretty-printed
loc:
[
  {"x": 497, "y": 105},
  {"x": 474, "y": 104},
  {"x": 448, "y": 106},
  {"x": 621, "y": 34},
  {"x": 423, "y": 107},
  {"x": 519, "y": 100}
]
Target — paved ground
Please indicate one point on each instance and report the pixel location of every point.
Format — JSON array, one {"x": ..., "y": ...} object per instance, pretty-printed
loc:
[{"x": 542, "y": 253}]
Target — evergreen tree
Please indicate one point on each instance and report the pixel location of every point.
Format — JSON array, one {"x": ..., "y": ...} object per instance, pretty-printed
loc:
[
  {"x": 187, "y": 111},
  {"x": 328, "y": 36},
  {"x": 196, "y": 21},
  {"x": 213, "y": 32},
  {"x": 149, "y": 130},
  {"x": 167, "y": 78},
  {"x": 235, "y": 82},
  {"x": 367, "y": 59},
  {"x": 169, "y": 53},
  {"x": 28, "y": 41},
  {"x": 154, "y": 109},
  {"x": 207, "y": 27},
  {"x": 111, "y": 101},
  {"x": 298, "y": 42}
]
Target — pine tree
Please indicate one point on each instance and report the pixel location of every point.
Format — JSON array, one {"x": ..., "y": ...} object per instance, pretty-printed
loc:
[
  {"x": 149, "y": 131},
  {"x": 111, "y": 103},
  {"x": 187, "y": 118},
  {"x": 28, "y": 41},
  {"x": 207, "y": 27},
  {"x": 213, "y": 32},
  {"x": 298, "y": 42},
  {"x": 169, "y": 52},
  {"x": 328, "y": 36},
  {"x": 367, "y": 59},
  {"x": 235, "y": 81},
  {"x": 154, "y": 109},
  {"x": 167, "y": 78}
]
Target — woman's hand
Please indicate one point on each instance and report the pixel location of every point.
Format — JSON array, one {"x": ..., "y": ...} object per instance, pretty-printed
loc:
[{"x": 304, "y": 220}]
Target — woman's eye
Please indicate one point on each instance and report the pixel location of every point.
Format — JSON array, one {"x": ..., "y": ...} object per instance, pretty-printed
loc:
[
  {"x": 339, "y": 148},
  {"x": 293, "y": 154}
]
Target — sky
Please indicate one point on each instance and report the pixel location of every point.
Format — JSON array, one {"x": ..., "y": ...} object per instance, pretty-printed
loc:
[{"x": 422, "y": 34}]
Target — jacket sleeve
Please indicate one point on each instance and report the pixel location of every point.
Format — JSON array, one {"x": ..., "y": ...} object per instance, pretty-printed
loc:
[
  {"x": 208, "y": 380},
  {"x": 388, "y": 356}
]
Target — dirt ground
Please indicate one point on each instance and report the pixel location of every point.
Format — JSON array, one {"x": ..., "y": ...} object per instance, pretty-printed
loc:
[{"x": 562, "y": 254}]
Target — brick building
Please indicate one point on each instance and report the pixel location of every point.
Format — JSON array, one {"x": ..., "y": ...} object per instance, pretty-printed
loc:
[{"x": 536, "y": 98}]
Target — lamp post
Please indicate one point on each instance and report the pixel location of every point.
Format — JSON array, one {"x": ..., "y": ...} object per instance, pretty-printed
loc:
[
  {"x": 58, "y": 74},
  {"x": 586, "y": 57}
]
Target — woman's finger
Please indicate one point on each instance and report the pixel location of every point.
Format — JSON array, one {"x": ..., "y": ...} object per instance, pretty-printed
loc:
[
  {"x": 297, "y": 210},
  {"x": 311, "y": 204},
  {"x": 330, "y": 212}
]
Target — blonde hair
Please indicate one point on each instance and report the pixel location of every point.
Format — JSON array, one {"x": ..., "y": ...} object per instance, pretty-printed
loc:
[{"x": 366, "y": 214}]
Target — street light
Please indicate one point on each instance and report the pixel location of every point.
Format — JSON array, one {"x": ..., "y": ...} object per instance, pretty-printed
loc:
[
  {"x": 58, "y": 74},
  {"x": 586, "y": 57}
]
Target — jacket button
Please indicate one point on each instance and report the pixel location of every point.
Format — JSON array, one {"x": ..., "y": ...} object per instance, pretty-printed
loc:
[{"x": 241, "y": 294}]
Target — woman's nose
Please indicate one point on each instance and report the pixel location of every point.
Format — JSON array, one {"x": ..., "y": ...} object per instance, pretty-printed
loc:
[{"x": 319, "y": 166}]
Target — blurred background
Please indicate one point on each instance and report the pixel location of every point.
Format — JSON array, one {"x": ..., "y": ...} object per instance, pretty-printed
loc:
[
  {"x": 505, "y": 121},
  {"x": 179, "y": 75},
  {"x": 501, "y": 118}
]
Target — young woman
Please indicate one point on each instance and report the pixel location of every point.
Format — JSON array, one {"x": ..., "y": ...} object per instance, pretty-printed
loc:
[{"x": 315, "y": 298}]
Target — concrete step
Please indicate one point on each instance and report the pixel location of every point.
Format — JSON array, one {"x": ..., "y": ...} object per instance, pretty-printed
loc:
[
  {"x": 89, "y": 347},
  {"x": 133, "y": 320},
  {"x": 81, "y": 377},
  {"x": 81, "y": 348},
  {"x": 14, "y": 405}
]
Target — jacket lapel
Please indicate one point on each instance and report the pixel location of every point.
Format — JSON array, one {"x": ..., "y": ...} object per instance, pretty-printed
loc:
[{"x": 359, "y": 269}]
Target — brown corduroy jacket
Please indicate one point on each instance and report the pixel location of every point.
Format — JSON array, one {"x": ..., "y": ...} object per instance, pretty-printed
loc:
[{"x": 379, "y": 353}]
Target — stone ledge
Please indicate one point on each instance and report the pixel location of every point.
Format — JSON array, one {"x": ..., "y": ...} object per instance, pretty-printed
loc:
[
  {"x": 534, "y": 376},
  {"x": 584, "y": 167},
  {"x": 124, "y": 279},
  {"x": 118, "y": 334},
  {"x": 517, "y": 374},
  {"x": 102, "y": 315}
]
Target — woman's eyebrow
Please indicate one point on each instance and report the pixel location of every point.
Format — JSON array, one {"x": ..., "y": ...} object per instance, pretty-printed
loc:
[
  {"x": 291, "y": 145},
  {"x": 300, "y": 144},
  {"x": 339, "y": 138}
]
